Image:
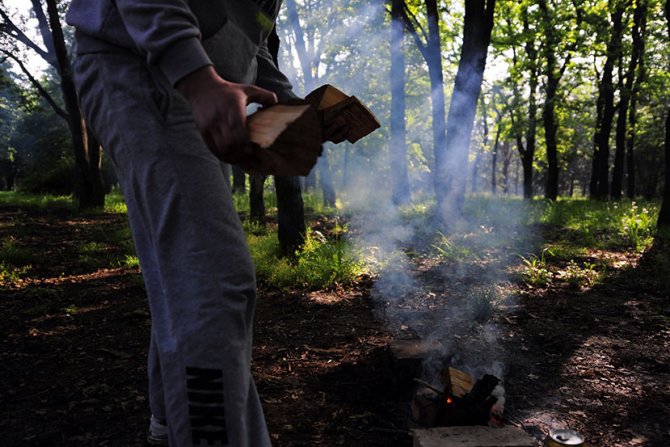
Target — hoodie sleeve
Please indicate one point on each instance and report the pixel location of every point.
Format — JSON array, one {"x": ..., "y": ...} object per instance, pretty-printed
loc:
[
  {"x": 270, "y": 77},
  {"x": 167, "y": 32}
]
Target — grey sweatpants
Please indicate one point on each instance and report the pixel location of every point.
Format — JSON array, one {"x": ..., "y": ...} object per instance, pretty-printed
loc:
[{"x": 195, "y": 261}]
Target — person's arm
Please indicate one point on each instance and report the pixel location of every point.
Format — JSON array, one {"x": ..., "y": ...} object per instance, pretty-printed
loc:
[
  {"x": 270, "y": 77},
  {"x": 167, "y": 32}
]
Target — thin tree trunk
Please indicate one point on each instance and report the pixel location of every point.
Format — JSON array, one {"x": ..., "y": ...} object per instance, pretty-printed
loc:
[
  {"x": 664, "y": 213},
  {"x": 290, "y": 207},
  {"x": 256, "y": 199},
  {"x": 605, "y": 110},
  {"x": 474, "y": 183},
  {"x": 517, "y": 165},
  {"x": 528, "y": 155},
  {"x": 474, "y": 186},
  {"x": 494, "y": 161},
  {"x": 505, "y": 167},
  {"x": 553, "y": 76},
  {"x": 398, "y": 146},
  {"x": 290, "y": 215},
  {"x": 639, "y": 36},
  {"x": 345, "y": 165},
  {"x": 95, "y": 195},
  {"x": 239, "y": 180},
  {"x": 326, "y": 180},
  {"x": 628, "y": 82},
  {"x": 89, "y": 178},
  {"x": 627, "y": 98}
]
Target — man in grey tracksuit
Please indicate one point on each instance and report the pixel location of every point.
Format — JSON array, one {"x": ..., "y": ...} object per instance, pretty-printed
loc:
[{"x": 164, "y": 85}]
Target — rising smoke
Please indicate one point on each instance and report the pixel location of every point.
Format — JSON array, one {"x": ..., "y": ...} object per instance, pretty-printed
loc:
[{"x": 451, "y": 305}]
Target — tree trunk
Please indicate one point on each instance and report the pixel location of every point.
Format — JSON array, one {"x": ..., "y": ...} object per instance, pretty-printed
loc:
[
  {"x": 95, "y": 195},
  {"x": 398, "y": 146},
  {"x": 474, "y": 184},
  {"x": 553, "y": 76},
  {"x": 345, "y": 165},
  {"x": 550, "y": 127},
  {"x": 664, "y": 213},
  {"x": 256, "y": 199},
  {"x": 639, "y": 36},
  {"x": 639, "y": 25},
  {"x": 528, "y": 155},
  {"x": 605, "y": 110},
  {"x": 452, "y": 162},
  {"x": 290, "y": 207},
  {"x": 290, "y": 215},
  {"x": 239, "y": 180},
  {"x": 505, "y": 168},
  {"x": 326, "y": 180},
  {"x": 494, "y": 160},
  {"x": 89, "y": 179}
]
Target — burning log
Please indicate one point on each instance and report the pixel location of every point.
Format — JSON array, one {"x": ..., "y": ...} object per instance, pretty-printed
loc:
[{"x": 471, "y": 405}]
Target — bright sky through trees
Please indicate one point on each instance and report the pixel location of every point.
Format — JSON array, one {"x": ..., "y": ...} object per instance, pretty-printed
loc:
[{"x": 34, "y": 62}]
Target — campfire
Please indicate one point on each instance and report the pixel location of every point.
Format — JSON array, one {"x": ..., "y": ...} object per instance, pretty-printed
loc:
[
  {"x": 450, "y": 397},
  {"x": 460, "y": 402}
]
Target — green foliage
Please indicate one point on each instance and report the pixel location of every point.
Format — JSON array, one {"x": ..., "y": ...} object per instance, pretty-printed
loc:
[
  {"x": 241, "y": 202},
  {"x": 637, "y": 225},
  {"x": 536, "y": 270},
  {"x": 43, "y": 152},
  {"x": 130, "y": 261},
  {"x": 321, "y": 263},
  {"x": 598, "y": 224},
  {"x": 53, "y": 178},
  {"x": 584, "y": 275},
  {"x": 10, "y": 274}
]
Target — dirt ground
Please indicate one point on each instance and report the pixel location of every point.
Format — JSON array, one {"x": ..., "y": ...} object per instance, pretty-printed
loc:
[{"x": 74, "y": 344}]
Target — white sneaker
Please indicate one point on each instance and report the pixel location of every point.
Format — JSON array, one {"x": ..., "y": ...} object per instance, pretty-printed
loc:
[{"x": 158, "y": 432}]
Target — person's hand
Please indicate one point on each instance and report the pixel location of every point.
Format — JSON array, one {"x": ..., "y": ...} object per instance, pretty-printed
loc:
[{"x": 219, "y": 111}]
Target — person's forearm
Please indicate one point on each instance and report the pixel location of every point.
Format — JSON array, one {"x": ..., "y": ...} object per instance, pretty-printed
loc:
[{"x": 271, "y": 78}]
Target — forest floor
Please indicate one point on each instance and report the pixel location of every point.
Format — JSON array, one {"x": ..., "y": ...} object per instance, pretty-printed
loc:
[{"x": 591, "y": 355}]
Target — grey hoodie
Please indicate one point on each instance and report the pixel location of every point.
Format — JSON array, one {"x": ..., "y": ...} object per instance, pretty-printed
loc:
[{"x": 169, "y": 34}]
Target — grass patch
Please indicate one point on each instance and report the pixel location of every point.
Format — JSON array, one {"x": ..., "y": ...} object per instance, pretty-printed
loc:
[
  {"x": 322, "y": 263},
  {"x": 15, "y": 261},
  {"x": 12, "y": 254},
  {"x": 95, "y": 255},
  {"x": 44, "y": 202},
  {"x": 115, "y": 203},
  {"x": 448, "y": 249}
]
